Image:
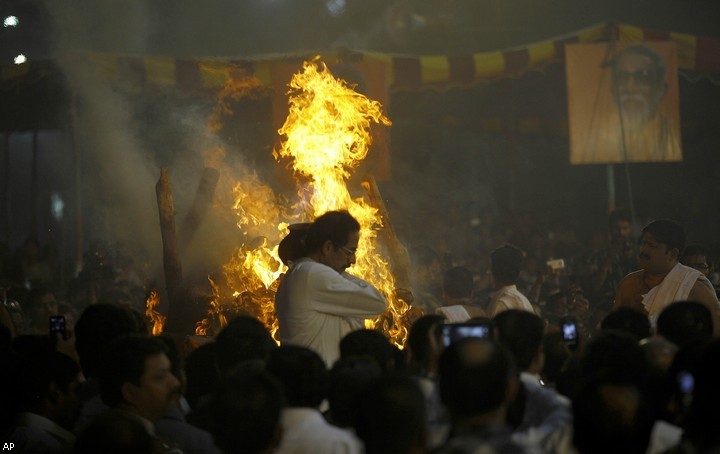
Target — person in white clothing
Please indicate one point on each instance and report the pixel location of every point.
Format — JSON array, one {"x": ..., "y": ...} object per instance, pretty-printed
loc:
[
  {"x": 662, "y": 279},
  {"x": 317, "y": 301},
  {"x": 505, "y": 266},
  {"x": 304, "y": 379}
]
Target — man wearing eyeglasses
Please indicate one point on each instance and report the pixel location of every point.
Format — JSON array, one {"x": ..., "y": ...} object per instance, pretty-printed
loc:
[
  {"x": 638, "y": 81},
  {"x": 699, "y": 257},
  {"x": 318, "y": 302}
]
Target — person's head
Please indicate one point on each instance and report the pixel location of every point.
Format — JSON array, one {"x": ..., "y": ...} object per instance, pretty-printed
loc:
[
  {"x": 371, "y": 343},
  {"x": 348, "y": 378},
  {"x": 611, "y": 417},
  {"x": 333, "y": 239},
  {"x": 699, "y": 257},
  {"x": 40, "y": 305},
  {"x": 477, "y": 377},
  {"x": 425, "y": 263},
  {"x": 629, "y": 320},
  {"x": 458, "y": 283},
  {"x": 620, "y": 224},
  {"x": 244, "y": 338},
  {"x": 638, "y": 75},
  {"x": 685, "y": 322},
  {"x": 522, "y": 332},
  {"x": 302, "y": 373},
  {"x": 245, "y": 412},
  {"x": 424, "y": 341},
  {"x": 115, "y": 432},
  {"x": 136, "y": 374},
  {"x": 292, "y": 247},
  {"x": 46, "y": 384},
  {"x": 98, "y": 325},
  {"x": 660, "y": 245},
  {"x": 505, "y": 263},
  {"x": 391, "y": 416},
  {"x": 202, "y": 373}
]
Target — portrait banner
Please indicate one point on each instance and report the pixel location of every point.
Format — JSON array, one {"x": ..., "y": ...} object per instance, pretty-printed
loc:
[{"x": 623, "y": 103}]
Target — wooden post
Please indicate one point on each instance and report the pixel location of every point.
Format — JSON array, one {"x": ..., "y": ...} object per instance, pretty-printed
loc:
[
  {"x": 201, "y": 203},
  {"x": 171, "y": 258}
]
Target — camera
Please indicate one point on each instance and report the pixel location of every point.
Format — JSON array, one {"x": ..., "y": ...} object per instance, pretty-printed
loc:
[
  {"x": 57, "y": 325},
  {"x": 452, "y": 332}
]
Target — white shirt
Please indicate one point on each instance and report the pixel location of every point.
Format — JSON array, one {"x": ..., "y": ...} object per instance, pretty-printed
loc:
[
  {"x": 305, "y": 431},
  {"x": 317, "y": 306},
  {"x": 509, "y": 297}
]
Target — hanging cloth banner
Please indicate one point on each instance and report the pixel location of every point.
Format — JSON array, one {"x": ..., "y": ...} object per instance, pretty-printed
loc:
[{"x": 623, "y": 103}]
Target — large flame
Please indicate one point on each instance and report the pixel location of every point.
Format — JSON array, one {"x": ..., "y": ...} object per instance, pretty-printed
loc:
[{"x": 328, "y": 135}]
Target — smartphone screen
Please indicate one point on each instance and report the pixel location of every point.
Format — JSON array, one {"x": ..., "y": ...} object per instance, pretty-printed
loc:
[
  {"x": 570, "y": 334},
  {"x": 57, "y": 324},
  {"x": 452, "y": 332}
]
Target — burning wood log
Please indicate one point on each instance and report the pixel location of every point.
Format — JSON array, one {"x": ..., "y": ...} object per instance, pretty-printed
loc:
[
  {"x": 201, "y": 203},
  {"x": 398, "y": 252},
  {"x": 171, "y": 257}
]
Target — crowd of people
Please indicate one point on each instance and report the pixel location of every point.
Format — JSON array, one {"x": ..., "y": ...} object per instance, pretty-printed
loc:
[{"x": 536, "y": 346}]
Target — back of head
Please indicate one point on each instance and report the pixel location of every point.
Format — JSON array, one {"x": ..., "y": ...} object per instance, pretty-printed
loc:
[
  {"x": 458, "y": 282},
  {"x": 628, "y": 320},
  {"x": 243, "y": 339},
  {"x": 35, "y": 375},
  {"x": 684, "y": 322},
  {"x": 115, "y": 432},
  {"x": 348, "y": 378},
  {"x": 611, "y": 417},
  {"x": 302, "y": 373},
  {"x": 334, "y": 226},
  {"x": 418, "y": 340},
  {"x": 696, "y": 249},
  {"x": 505, "y": 264},
  {"x": 97, "y": 326},
  {"x": 245, "y": 412},
  {"x": 292, "y": 247},
  {"x": 473, "y": 377},
  {"x": 521, "y": 332},
  {"x": 613, "y": 356},
  {"x": 202, "y": 373},
  {"x": 124, "y": 361},
  {"x": 668, "y": 232},
  {"x": 391, "y": 416},
  {"x": 371, "y": 343}
]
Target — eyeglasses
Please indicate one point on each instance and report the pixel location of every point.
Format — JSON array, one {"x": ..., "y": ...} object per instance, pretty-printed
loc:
[
  {"x": 641, "y": 77},
  {"x": 347, "y": 250},
  {"x": 699, "y": 266}
]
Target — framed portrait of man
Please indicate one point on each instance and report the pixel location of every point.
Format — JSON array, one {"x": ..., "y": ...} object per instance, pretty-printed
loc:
[{"x": 623, "y": 103}]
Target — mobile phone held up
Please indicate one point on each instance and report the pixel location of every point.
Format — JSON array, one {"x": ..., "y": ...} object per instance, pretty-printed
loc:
[
  {"x": 569, "y": 333},
  {"x": 57, "y": 325},
  {"x": 452, "y": 332}
]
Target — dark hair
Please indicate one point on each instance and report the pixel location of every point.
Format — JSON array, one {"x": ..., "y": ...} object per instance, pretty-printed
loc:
[
  {"x": 202, "y": 373},
  {"x": 292, "y": 247},
  {"x": 667, "y": 232},
  {"x": 348, "y": 378},
  {"x": 417, "y": 340},
  {"x": 473, "y": 376},
  {"x": 629, "y": 320},
  {"x": 521, "y": 332},
  {"x": 244, "y": 338},
  {"x": 245, "y": 412},
  {"x": 391, "y": 416},
  {"x": 371, "y": 343},
  {"x": 302, "y": 373},
  {"x": 697, "y": 249},
  {"x": 334, "y": 226},
  {"x": 684, "y": 322},
  {"x": 124, "y": 362},
  {"x": 458, "y": 282},
  {"x": 98, "y": 325},
  {"x": 619, "y": 214},
  {"x": 505, "y": 263},
  {"x": 37, "y": 372},
  {"x": 115, "y": 432},
  {"x": 36, "y": 292}
]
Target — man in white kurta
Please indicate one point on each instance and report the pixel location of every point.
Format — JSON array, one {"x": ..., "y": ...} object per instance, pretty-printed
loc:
[{"x": 317, "y": 302}]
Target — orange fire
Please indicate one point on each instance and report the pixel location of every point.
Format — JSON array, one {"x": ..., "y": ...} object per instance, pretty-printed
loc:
[
  {"x": 151, "y": 313},
  {"x": 328, "y": 135}
]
